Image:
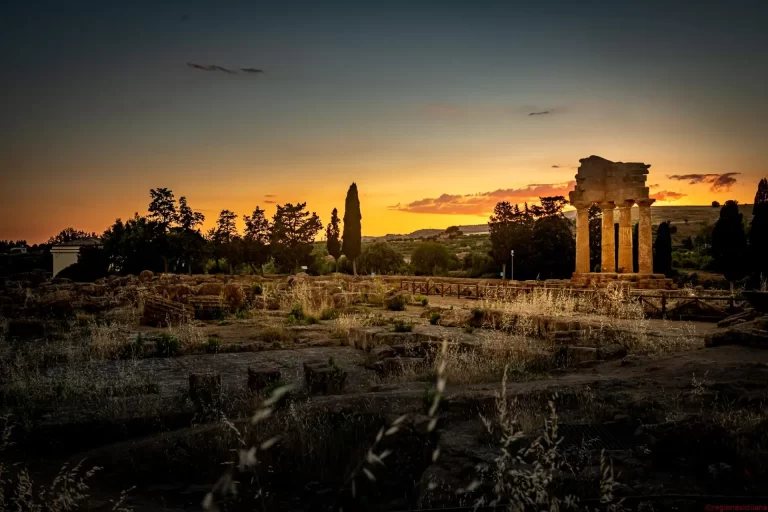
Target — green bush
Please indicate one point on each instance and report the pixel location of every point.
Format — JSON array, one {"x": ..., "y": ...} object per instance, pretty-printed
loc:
[
  {"x": 396, "y": 302},
  {"x": 257, "y": 288},
  {"x": 381, "y": 258},
  {"x": 431, "y": 258},
  {"x": 311, "y": 320},
  {"x": 296, "y": 314},
  {"x": 402, "y": 326},
  {"x": 469, "y": 329},
  {"x": 434, "y": 318},
  {"x": 167, "y": 345},
  {"x": 212, "y": 345},
  {"x": 330, "y": 314},
  {"x": 420, "y": 299}
]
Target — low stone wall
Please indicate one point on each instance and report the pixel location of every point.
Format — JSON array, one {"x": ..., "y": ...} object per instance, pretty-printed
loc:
[{"x": 631, "y": 280}]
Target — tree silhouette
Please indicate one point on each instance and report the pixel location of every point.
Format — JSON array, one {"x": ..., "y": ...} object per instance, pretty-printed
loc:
[
  {"x": 715, "y": 204},
  {"x": 662, "y": 250},
  {"x": 256, "y": 240},
  {"x": 453, "y": 231},
  {"x": 69, "y": 235},
  {"x": 510, "y": 228},
  {"x": 188, "y": 218},
  {"x": 293, "y": 232},
  {"x": 228, "y": 238},
  {"x": 352, "y": 239},
  {"x": 758, "y": 233},
  {"x": 187, "y": 243},
  {"x": 332, "y": 233},
  {"x": 162, "y": 211},
  {"x": 761, "y": 196},
  {"x": 729, "y": 242},
  {"x": 162, "y": 207},
  {"x": 133, "y": 246}
]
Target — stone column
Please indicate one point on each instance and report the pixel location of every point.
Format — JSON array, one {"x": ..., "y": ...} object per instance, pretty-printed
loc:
[
  {"x": 582, "y": 237},
  {"x": 625, "y": 237},
  {"x": 608, "y": 259},
  {"x": 645, "y": 238}
]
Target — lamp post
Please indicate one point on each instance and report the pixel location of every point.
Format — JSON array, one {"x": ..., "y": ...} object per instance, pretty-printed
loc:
[{"x": 512, "y": 265}]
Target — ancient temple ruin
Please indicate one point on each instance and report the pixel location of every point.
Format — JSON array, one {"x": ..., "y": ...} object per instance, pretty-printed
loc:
[{"x": 612, "y": 185}]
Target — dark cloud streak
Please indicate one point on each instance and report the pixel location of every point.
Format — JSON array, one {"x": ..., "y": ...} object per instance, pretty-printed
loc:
[
  {"x": 542, "y": 113},
  {"x": 214, "y": 67},
  {"x": 717, "y": 182}
]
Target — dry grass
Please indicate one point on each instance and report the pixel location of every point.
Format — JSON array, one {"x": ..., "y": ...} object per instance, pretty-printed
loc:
[
  {"x": 312, "y": 299},
  {"x": 610, "y": 316},
  {"x": 614, "y": 302},
  {"x": 523, "y": 356},
  {"x": 344, "y": 324},
  {"x": 67, "y": 491},
  {"x": 526, "y": 471}
]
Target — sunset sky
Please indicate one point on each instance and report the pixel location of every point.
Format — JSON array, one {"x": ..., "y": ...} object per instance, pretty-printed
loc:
[{"x": 437, "y": 111}]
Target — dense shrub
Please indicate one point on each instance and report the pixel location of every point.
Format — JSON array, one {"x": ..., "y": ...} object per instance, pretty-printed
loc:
[
  {"x": 381, "y": 258},
  {"x": 396, "y": 302},
  {"x": 403, "y": 326},
  {"x": 431, "y": 258}
]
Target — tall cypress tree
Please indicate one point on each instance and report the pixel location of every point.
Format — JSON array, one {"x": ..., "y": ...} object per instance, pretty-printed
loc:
[
  {"x": 758, "y": 234},
  {"x": 662, "y": 250},
  {"x": 352, "y": 238},
  {"x": 729, "y": 242},
  {"x": 332, "y": 241}
]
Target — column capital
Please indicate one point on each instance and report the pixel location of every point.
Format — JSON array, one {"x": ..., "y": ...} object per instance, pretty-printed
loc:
[
  {"x": 606, "y": 205},
  {"x": 580, "y": 205},
  {"x": 645, "y": 202},
  {"x": 629, "y": 203}
]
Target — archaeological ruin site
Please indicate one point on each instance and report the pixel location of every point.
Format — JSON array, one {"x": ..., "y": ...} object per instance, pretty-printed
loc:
[{"x": 612, "y": 390}]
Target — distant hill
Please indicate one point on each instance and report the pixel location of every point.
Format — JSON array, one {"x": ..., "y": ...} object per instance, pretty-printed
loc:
[
  {"x": 688, "y": 219},
  {"x": 428, "y": 232}
]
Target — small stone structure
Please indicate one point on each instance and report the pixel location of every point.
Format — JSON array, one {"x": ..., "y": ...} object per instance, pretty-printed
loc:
[{"x": 610, "y": 185}]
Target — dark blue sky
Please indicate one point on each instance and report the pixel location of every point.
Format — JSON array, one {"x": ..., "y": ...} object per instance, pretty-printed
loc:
[{"x": 99, "y": 105}]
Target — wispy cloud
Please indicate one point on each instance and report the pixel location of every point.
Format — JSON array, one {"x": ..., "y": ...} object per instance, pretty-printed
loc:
[
  {"x": 555, "y": 166},
  {"x": 270, "y": 195},
  {"x": 653, "y": 186},
  {"x": 484, "y": 202},
  {"x": 214, "y": 67},
  {"x": 717, "y": 182},
  {"x": 268, "y": 201},
  {"x": 667, "y": 195},
  {"x": 542, "y": 113}
]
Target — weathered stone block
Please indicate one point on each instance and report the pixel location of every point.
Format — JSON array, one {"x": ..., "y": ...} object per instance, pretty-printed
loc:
[
  {"x": 205, "y": 393},
  {"x": 209, "y": 307},
  {"x": 396, "y": 365},
  {"x": 260, "y": 378},
  {"x": 578, "y": 355},
  {"x": 322, "y": 377},
  {"x": 614, "y": 351},
  {"x": 160, "y": 312}
]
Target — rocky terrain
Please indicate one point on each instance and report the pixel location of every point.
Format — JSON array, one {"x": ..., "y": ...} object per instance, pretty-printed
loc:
[{"x": 328, "y": 393}]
